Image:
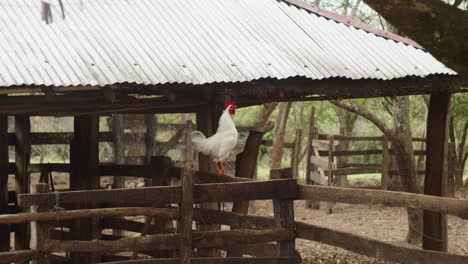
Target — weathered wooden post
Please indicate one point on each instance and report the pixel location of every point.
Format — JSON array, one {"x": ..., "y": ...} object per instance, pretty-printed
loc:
[
  {"x": 22, "y": 157},
  {"x": 435, "y": 182},
  {"x": 84, "y": 175},
  {"x": 188, "y": 153},
  {"x": 284, "y": 215},
  {"x": 4, "y": 229},
  {"x": 331, "y": 167},
  {"x": 119, "y": 152},
  {"x": 385, "y": 163},
  {"x": 186, "y": 215},
  {"x": 40, "y": 230}
]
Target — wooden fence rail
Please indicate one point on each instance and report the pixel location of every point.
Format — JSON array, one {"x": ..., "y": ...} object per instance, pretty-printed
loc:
[{"x": 444, "y": 205}]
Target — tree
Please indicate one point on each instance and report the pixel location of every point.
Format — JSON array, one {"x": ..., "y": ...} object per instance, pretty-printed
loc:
[
  {"x": 401, "y": 138},
  {"x": 442, "y": 29},
  {"x": 458, "y": 145},
  {"x": 278, "y": 140}
]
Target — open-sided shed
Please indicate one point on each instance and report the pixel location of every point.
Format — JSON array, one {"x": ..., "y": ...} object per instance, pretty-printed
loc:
[{"x": 161, "y": 56}]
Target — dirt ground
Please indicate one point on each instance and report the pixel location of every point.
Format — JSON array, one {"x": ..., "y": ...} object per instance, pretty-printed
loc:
[{"x": 377, "y": 222}]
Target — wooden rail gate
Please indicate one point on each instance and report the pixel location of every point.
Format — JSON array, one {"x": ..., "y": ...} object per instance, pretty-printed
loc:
[{"x": 56, "y": 216}]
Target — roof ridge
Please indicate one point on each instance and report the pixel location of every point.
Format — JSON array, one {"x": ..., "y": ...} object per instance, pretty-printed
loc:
[{"x": 351, "y": 22}]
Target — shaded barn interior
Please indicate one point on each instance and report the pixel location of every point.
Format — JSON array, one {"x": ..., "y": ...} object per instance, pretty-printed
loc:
[{"x": 160, "y": 56}]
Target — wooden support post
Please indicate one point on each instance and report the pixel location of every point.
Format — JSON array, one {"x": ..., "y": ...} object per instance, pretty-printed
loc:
[
  {"x": 119, "y": 149},
  {"x": 284, "y": 215},
  {"x": 435, "y": 182},
  {"x": 22, "y": 181},
  {"x": 330, "y": 168},
  {"x": 4, "y": 229},
  {"x": 40, "y": 230},
  {"x": 186, "y": 215},
  {"x": 385, "y": 163},
  {"x": 296, "y": 153},
  {"x": 84, "y": 175},
  {"x": 205, "y": 122},
  {"x": 150, "y": 135}
]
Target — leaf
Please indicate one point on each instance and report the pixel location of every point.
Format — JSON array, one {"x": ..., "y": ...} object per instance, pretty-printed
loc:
[{"x": 458, "y": 2}]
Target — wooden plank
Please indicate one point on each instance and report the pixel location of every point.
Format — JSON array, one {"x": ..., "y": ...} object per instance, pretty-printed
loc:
[
  {"x": 186, "y": 216},
  {"x": 222, "y": 192},
  {"x": 87, "y": 213},
  {"x": 284, "y": 215},
  {"x": 22, "y": 180},
  {"x": 358, "y": 170},
  {"x": 374, "y": 248},
  {"x": 209, "y": 239},
  {"x": 126, "y": 225},
  {"x": 19, "y": 256},
  {"x": 255, "y": 190},
  {"x": 458, "y": 207},
  {"x": 230, "y": 260},
  {"x": 317, "y": 178},
  {"x": 436, "y": 180},
  {"x": 118, "y": 170},
  {"x": 5, "y": 197},
  {"x": 320, "y": 162},
  {"x": 340, "y": 137},
  {"x": 365, "y": 152}
]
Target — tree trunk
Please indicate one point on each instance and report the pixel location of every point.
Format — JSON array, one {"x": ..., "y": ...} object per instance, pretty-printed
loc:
[
  {"x": 262, "y": 124},
  {"x": 347, "y": 121},
  {"x": 406, "y": 165},
  {"x": 280, "y": 130}
]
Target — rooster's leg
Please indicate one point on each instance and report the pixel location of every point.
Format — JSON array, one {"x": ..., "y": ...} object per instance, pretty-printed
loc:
[
  {"x": 223, "y": 171},
  {"x": 217, "y": 168}
]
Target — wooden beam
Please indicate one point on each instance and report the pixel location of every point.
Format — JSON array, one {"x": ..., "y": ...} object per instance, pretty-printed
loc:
[
  {"x": 19, "y": 256},
  {"x": 22, "y": 180},
  {"x": 263, "y": 260},
  {"x": 87, "y": 213},
  {"x": 374, "y": 248},
  {"x": 92, "y": 105},
  {"x": 214, "y": 192},
  {"x": 436, "y": 180},
  {"x": 4, "y": 171},
  {"x": 209, "y": 239},
  {"x": 126, "y": 225},
  {"x": 458, "y": 207}
]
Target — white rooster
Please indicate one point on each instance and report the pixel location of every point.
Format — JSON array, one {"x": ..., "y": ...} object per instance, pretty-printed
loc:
[{"x": 220, "y": 145}]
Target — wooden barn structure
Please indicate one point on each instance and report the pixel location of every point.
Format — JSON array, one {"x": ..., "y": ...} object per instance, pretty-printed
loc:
[{"x": 95, "y": 58}]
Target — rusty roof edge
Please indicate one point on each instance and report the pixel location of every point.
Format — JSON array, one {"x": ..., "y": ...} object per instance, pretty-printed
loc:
[{"x": 351, "y": 22}]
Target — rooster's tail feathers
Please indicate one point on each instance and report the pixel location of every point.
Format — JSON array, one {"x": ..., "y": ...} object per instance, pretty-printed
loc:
[{"x": 198, "y": 140}]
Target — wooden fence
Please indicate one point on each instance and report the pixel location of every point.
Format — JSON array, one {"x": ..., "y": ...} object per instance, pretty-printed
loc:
[
  {"x": 56, "y": 236},
  {"x": 326, "y": 166}
]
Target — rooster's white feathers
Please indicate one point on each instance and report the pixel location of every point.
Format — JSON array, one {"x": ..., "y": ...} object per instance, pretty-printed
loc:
[{"x": 220, "y": 145}]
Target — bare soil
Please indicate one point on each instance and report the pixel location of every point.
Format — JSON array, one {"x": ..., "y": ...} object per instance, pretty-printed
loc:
[{"x": 377, "y": 222}]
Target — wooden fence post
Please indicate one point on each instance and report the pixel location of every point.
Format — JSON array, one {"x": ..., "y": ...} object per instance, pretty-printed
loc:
[
  {"x": 313, "y": 131},
  {"x": 331, "y": 140},
  {"x": 186, "y": 215},
  {"x": 385, "y": 163},
  {"x": 4, "y": 229},
  {"x": 284, "y": 215},
  {"x": 40, "y": 230}
]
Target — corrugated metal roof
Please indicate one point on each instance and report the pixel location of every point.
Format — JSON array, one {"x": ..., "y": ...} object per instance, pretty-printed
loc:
[{"x": 205, "y": 41}]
